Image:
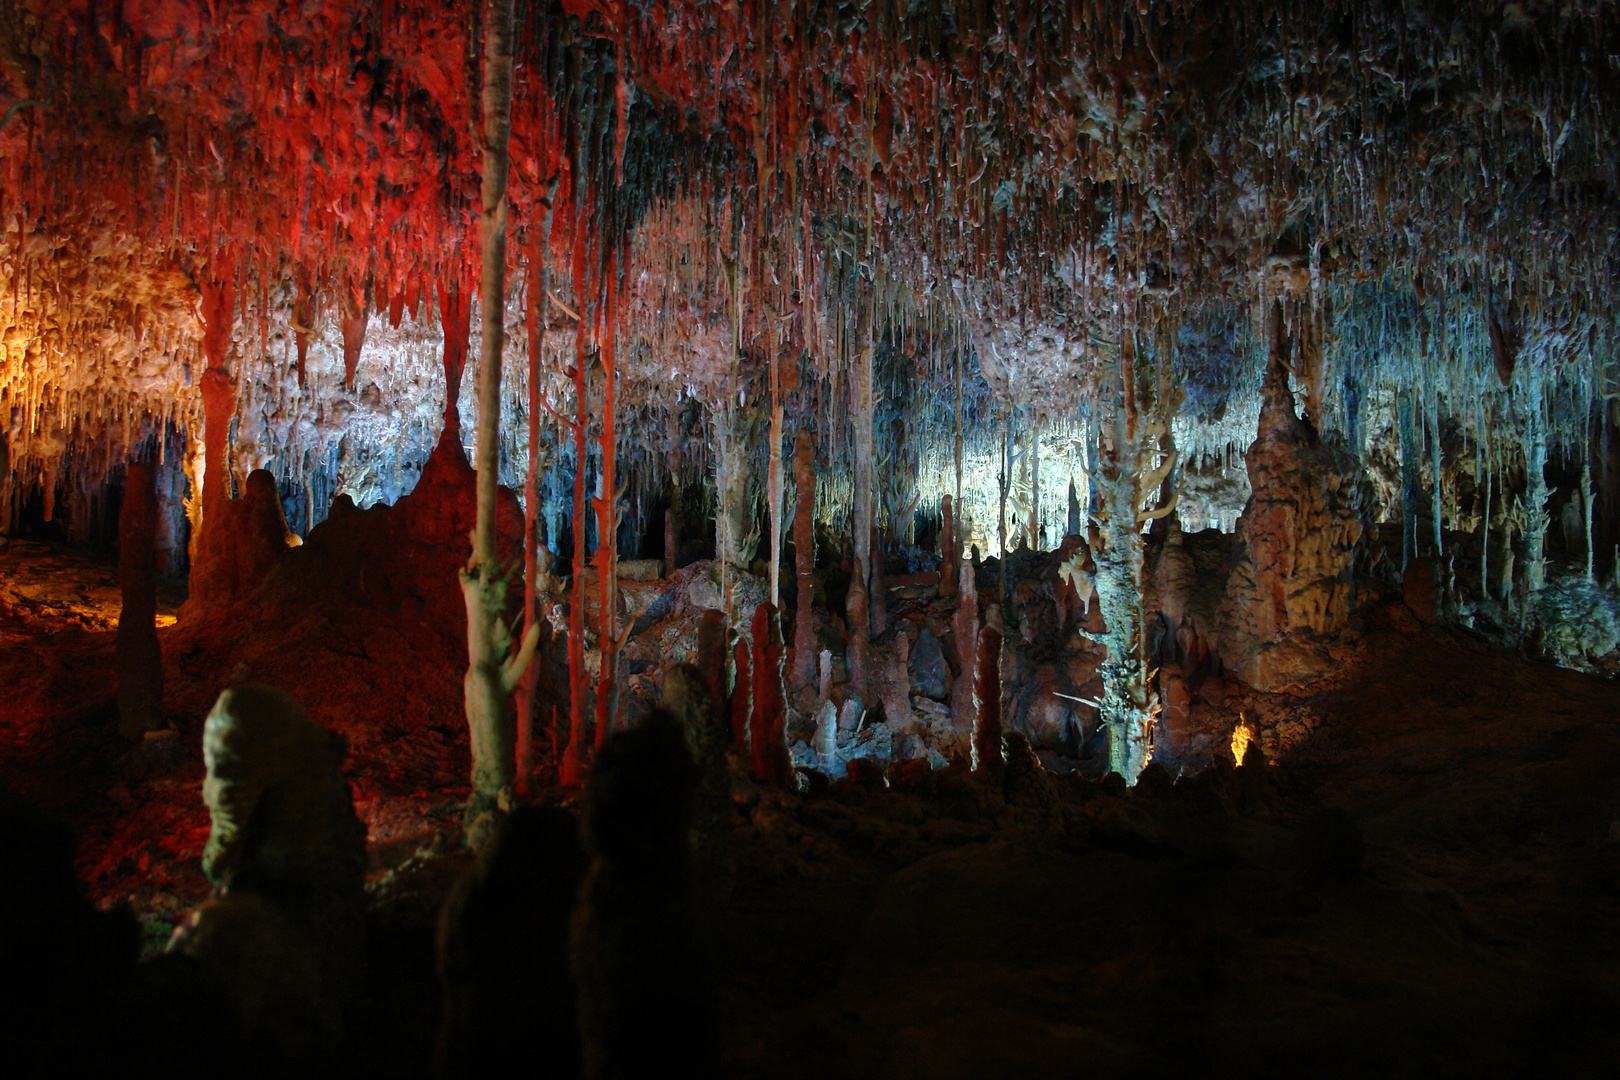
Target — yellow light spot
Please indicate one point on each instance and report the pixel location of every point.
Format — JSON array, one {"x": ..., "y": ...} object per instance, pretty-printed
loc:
[{"x": 1242, "y": 736}]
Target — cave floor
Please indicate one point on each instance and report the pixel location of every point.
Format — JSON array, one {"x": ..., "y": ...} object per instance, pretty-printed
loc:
[{"x": 1056, "y": 926}]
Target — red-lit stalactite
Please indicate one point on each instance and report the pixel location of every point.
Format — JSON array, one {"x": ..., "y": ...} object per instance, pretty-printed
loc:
[
  {"x": 534, "y": 319},
  {"x": 455, "y": 316},
  {"x": 987, "y": 733},
  {"x": 766, "y": 726},
  {"x": 742, "y": 694},
  {"x": 355, "y": 315},
  {"x": 304, "y": 314},
  {"x": 139, "y": 658},
  {"x": 573, "y": 766},
  {"x": 607, "y": 520},
  {"x": 804, "y": 557}
]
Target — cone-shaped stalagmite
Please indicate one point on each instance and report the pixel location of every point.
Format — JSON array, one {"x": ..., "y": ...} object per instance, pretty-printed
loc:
[
  {"x": 766, "y": 729},
  {"x": 140, "y": 663},
  {"x": 492, "y": 668},
  {"x": 742, "y": 694}
]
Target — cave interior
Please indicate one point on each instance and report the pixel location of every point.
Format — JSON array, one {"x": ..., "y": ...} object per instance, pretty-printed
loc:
[{"x": 984, "y": 537}]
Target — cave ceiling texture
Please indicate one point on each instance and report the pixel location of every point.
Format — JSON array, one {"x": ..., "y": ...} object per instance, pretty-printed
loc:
[{"x": 1038, "y": 230}]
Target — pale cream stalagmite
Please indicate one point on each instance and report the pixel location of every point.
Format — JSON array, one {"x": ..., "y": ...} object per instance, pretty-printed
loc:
[
  {"x": 1132, "y": 467},
  {"x": 1294, "y": 586},
  {"x": 493, "y": 669}
]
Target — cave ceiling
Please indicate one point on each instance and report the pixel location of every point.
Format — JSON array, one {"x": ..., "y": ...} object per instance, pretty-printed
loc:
[{"x": 1039, "y": 210}]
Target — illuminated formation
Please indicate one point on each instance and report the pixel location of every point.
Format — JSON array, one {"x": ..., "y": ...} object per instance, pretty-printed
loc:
[{"x": 974, "y": 397}]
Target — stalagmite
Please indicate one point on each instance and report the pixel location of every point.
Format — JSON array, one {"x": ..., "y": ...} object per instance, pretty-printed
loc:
[
  {"x": 1586, "y": 510},
  {"x": 574, "y": 757},
  {"x": 876, "y": 594},
  {"x": 493, "y": 669},
  {"x": 139, "y": 660},
  {"x": 742, "y": 693},
  {"x": 219, "y": 402},
  {"x": 949, "y": 549},
  {"x": 859, "y": 603},
  {"x": 987, "y": 690},
  {"x": 767, "y": 744},
  {"x": 711, "y": 655},
  {"x": 965, "y": 636},
  {"x": 1536, "y": 491},
  {"x": 804, "y": 557},
  {"x": 533, "y": 570},
  {"x": 609, "y": 637},
  {"x": 672, "y": 527}
]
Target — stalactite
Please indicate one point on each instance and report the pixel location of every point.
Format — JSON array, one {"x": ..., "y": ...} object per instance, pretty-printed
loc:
[
  {"x": 1439, "y": 474},
  {"x": 1409, "y": 476},
  {"x": 859, "y": 602},
  {"x": 804, "y": 557}
]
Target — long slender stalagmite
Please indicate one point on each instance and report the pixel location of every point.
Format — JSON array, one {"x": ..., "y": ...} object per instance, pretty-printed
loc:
[
  {"x": 672, "y": 526},
  {"x": 573, "y": 768},
  {"x": 767, "y": 746},
  {"x": 859, "y": 600},
  {"x": 493, "y": 669},
  {"x": 965, "y": 636},
  {"x": 535, "y": 319},
  {"x": 742, "y": 694},
  {"x": 987, "y": 691},
  {"x": 947, "y": 548},
  {"x": 804, "y": 557},
  {"x": 773, "y": 479},
  {"x": 219, "y": 402},
  {"x": 876, "y": 593},
  {"x": 607, "y": 524}
]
